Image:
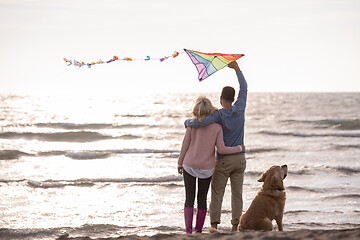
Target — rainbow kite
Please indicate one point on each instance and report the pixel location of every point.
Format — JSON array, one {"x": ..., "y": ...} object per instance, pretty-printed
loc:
[{"x": 209, "y": 63}]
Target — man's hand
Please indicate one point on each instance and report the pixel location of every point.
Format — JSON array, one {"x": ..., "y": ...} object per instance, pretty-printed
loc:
[
  {"x": 234, "y": 65},
  {"x": 180, "y": 170},
  {"x": 243, "y": 147}
]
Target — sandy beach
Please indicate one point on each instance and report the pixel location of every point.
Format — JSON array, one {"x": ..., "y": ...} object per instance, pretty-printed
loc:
[{"x": 352, "y": 234}]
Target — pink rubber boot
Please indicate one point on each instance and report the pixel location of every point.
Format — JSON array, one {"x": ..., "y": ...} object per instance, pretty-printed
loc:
[
  {"x": 200, "y": 219},
  {"x": 188, "y": 214}
]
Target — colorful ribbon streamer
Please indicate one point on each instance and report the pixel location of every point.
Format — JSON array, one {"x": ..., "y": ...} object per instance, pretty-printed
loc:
[{"x": 115, "y": 58}]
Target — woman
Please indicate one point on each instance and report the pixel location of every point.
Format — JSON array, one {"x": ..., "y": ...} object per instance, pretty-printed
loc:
[{"x": 197, "y": 160}]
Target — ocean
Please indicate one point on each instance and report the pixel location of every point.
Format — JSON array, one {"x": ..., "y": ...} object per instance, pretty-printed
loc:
[{"x": 107, "y": 166}]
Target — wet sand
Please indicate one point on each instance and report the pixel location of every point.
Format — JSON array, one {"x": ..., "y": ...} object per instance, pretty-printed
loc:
[{"x": 343, "y": 234}]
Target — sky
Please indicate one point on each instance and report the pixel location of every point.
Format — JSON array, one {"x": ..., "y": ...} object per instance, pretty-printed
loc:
[{"x": 289, "y": 45}]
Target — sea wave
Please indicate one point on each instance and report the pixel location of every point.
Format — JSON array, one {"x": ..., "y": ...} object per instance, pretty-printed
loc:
[
  {"x": 292, "y": 172},
  {"x": 86, "y": 154},
  {"x": 340, "y": 124},
  {"x": 89, "y": 126},
  {"x": 79, "y": 136},
  {"x": 300, "y": 171},
  {"x": 72, "y": 136},
  {"x": 344, "y": 170},
  {"x": 94, "y": 230},
  {"x": 12, "y": 180},
  {"x": 58, "y": 184},
  {"x": 51, "y": 153},
  {"x": 305, "y": 189},
  {"x": 345, "y": 146},
  {"x": 297, "y": 212},
  {"x": 304, "y": 135},
  {"x": 12, "y": 154},
  {"x": 6, "y": 233},
  {"x": 253, "y": 173},
  {"x": 84, "y": 182},
  {"x": 346, "y": 124},
  {"x": 83, "y": 126},
  {"x": 344, "y": 196},
  {"x": 261, "y": 150},
  {"x": 132, "y": 115},
  {"x": 324, "y": 226},
  {"x": 313, "y": 170},
  {"x": 101, "y": 154}
]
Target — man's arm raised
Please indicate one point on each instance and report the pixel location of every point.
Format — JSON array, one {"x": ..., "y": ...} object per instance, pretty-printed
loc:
[{"x": 242, "y": 97}]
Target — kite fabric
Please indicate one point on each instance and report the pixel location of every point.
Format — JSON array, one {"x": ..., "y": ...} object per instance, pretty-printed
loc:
[{"x": 209, "y": 63}]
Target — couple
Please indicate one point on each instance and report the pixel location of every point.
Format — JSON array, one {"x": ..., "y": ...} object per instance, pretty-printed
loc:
[{"x": 197, "y": 156}]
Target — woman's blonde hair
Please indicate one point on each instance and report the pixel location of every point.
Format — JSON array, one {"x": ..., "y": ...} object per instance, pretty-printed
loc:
[{"x": 203, "y": 107}]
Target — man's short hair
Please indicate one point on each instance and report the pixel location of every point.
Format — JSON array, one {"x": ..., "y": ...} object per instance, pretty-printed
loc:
[{"x": 228, "y": 93}]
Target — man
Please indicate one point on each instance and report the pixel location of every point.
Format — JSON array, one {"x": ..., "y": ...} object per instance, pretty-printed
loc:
[{"x": 232, "y": 119}]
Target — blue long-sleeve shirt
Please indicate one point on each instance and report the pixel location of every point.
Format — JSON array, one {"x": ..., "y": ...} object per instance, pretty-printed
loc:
[{"x": 232, "y": 120}]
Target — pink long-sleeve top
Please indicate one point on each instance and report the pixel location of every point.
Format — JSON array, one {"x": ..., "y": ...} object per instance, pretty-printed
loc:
[{"x": 198, "y": 147}]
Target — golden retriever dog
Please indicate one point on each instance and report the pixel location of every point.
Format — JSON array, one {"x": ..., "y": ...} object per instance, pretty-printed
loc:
[{"x": 269, "y": 202}]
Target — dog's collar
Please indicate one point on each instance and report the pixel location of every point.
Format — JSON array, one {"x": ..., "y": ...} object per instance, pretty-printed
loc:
[{"x": 279, "y": 189}]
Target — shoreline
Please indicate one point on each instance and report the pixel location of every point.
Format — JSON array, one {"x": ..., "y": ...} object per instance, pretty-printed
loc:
[{"x": 304, "y": 234}]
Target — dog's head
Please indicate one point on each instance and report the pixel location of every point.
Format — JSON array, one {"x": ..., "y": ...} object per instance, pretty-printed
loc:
[{"x": 273, "y": 178}]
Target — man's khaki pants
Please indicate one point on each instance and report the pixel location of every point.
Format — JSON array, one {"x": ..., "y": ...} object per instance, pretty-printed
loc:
[{"x": 233, "y": 167}]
